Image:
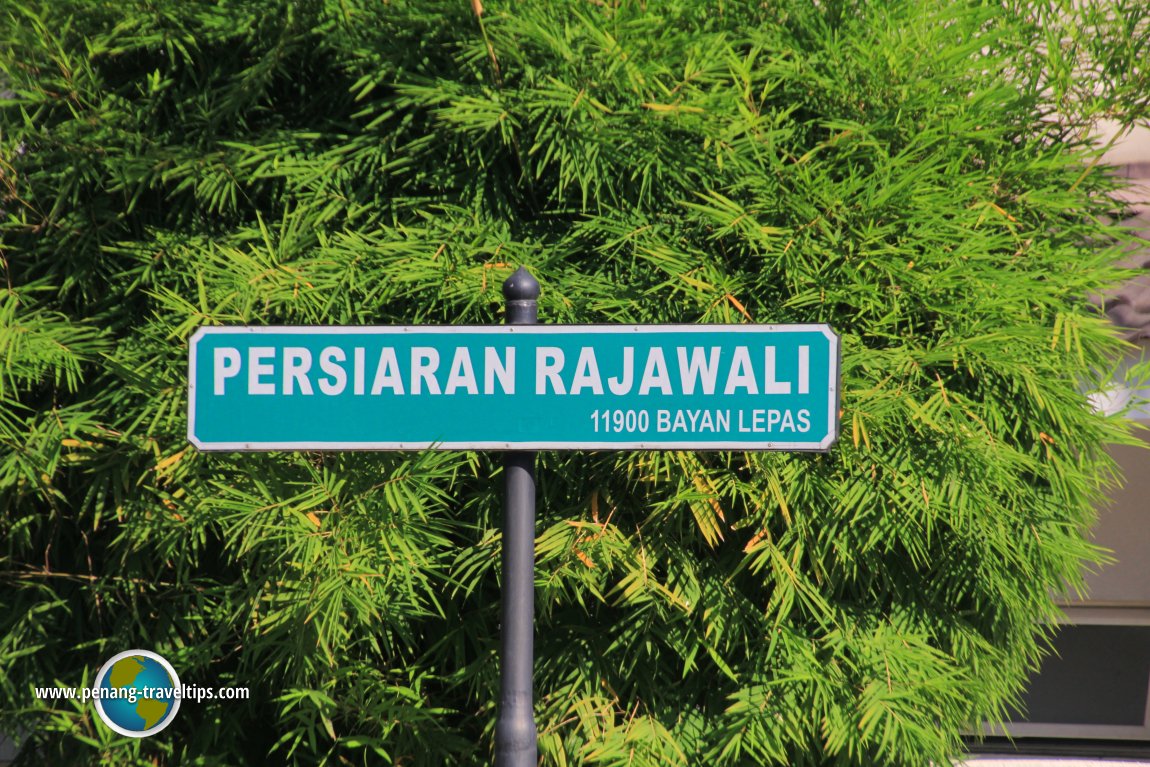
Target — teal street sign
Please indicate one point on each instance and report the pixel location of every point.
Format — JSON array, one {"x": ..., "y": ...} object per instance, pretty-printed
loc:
[{"x": 515, "y": 387}]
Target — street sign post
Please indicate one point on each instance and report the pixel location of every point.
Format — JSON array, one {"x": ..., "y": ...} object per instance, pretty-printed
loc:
[
  {"x": 516, "y": 737},
  {"x": 520, "y": 388},
  {"x": 515, "y": 387}
]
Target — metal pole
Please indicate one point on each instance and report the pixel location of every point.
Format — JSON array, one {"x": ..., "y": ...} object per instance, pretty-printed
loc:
[{"x": 516, "y": 739}]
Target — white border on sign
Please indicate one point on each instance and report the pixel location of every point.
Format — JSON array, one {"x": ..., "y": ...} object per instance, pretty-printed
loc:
[{"x": 832, "y": 406}]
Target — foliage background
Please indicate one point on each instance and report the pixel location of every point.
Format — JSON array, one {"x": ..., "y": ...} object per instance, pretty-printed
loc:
[{"x": 917, "y": 173}]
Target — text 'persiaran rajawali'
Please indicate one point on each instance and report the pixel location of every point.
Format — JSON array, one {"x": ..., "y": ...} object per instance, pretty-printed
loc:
[{"x": 423, "y": 370}]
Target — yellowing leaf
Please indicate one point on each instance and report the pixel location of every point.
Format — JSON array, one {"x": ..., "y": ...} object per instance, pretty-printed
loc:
[
  {"x": 671, "y": 108},
  {"x": 171, "y": 460}
]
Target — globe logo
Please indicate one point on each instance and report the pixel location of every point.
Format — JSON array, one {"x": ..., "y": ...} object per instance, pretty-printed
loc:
[{"x": 137, "y": 693}]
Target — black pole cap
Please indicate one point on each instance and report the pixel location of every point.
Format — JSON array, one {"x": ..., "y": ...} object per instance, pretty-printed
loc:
[{"x": 521, "y": 286}]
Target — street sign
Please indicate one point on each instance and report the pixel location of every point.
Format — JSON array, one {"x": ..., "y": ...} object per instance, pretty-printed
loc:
[{"x": 518, "y": 387}]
